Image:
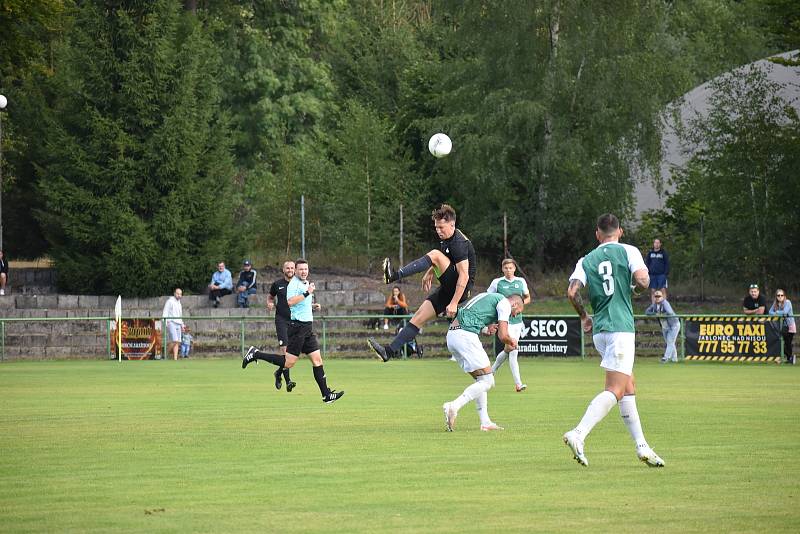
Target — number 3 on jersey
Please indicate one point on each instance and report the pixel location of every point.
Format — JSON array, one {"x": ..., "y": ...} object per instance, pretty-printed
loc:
[{"x": 604, "y": 269}]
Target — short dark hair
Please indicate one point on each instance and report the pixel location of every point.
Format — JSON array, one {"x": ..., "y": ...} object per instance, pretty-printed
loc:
[
  {"x": 608, "y": 223},
  {"x": 445, "y": 212},
  {"x": 517, "y": 295},
  {"x": 300, "y": 261}
]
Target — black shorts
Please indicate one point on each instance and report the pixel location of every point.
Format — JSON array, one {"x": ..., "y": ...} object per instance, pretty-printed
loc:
[
  {"x": 301, "y": 338},
  {"x": 441, "y": 296},
  {"x": 282, "y": 330}
]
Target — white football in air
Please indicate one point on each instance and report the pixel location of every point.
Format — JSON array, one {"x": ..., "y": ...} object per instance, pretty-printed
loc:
[{"x": 440, "y": 145}]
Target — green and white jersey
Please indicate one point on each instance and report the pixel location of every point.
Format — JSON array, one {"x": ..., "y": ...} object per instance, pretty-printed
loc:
[
  {"x": 607, "y": 271},
  {"x": 506, "y": 287},
  {"x": 482, "y": 310}
]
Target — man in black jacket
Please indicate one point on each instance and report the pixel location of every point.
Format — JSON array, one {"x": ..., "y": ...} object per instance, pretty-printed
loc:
[
  {"x": 657, "y": 261},
  {"x": 246, "y": 285}
]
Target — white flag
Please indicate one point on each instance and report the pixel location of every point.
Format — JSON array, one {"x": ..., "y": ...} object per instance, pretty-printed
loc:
[{"x": 118, "y": 309}]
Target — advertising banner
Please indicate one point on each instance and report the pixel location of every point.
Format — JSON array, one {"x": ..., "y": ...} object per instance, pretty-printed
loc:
[
  {"x": 729, "y": 339},
  {"x": 550, "y": 336},
  {"x": 140, "y": 339}
]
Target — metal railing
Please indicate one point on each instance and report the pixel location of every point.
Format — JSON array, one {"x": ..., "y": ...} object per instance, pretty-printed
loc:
[{"x": 323, "y": 322}]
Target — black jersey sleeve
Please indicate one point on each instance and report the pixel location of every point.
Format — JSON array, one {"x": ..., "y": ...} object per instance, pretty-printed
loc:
[
  {"x": 273, "y": 289},
  {"x": 460, "y": 248}
]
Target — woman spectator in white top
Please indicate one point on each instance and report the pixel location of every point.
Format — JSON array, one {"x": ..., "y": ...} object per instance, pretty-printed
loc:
[
  {"x": 173, "y": 311},
  {"x": 783, "y": 306}
]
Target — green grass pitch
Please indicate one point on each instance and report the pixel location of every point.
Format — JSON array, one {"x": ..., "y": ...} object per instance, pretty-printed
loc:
[{"x": 204, "y": 446}]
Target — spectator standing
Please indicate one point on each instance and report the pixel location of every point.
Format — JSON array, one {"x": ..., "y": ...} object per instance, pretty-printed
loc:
[
  {"x": 186, "y": 342},
  {"x": 173, "y": 311},
  {"x": 395, "y": 305},
  {"x": 657, "y": 261},
  {"x": 246, "y": 285},
  {"x": 754, "y": 303},
  {"x": 670, "y": 325},
  {"x": 276, "y": 300},
  {"x": 221, "y": 284},
  {"x": 3, "y": 273},
  {"x": 783, "y": 306}
]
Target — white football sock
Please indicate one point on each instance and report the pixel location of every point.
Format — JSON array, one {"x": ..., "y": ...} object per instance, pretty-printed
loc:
[
  {"x": 630, "y": 416},
  {"x": 501, "y": 359},
  {"x": 598, "y": 408},
  {"x": 514, "y": 365},
  {"x": 482, "y": 384},
  {"x": 482, "y": 405}
]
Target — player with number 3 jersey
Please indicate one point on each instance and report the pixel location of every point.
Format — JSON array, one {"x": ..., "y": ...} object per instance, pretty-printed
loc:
[{"x": 608, "y": 272}]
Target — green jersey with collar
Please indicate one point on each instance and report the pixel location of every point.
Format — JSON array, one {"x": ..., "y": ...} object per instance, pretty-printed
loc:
[
  {"x": 506, "y": 287},
  {"x": 482, "y": 310},
  {"x": 607, "y": 271}
]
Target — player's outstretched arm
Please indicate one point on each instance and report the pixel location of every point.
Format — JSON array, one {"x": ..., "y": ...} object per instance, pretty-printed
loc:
[
  {"x": 462, "y": 268},
  {"x": 574, "y": 296},
  {"x": 427, "y": 280}
]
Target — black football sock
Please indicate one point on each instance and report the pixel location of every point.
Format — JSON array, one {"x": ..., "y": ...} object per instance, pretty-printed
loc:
[
  {"x": 274, "y": 359},
  {"x": 408, "y": 333},
  {"x": 286, "y": 374},
  {"x": 420, "y": 265},
  {"x": 319, "y": 376}
]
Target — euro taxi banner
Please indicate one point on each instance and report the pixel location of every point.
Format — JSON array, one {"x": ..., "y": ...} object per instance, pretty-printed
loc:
[{"x": 733, "y": 339}]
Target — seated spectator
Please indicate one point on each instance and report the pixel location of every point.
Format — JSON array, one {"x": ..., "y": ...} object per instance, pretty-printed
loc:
[
  {"x": 3, "y": 273},
  {"x": 246, "y": 285},
  {"x": 783, "y": 306},
  {"x": 186, "y": 342},
  {"x": 754, "y": 303},
  {"x": 221, "y": 284},
  {"x": 670, "y": 325},
  {"x": 395, "y": 305}
]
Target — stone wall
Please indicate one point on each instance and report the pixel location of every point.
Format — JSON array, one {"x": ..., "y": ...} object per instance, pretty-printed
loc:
[{"x": 47, "y": 326}]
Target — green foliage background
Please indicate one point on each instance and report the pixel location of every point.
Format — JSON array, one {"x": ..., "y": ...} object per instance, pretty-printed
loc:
[{"x": 144, "y": 141}]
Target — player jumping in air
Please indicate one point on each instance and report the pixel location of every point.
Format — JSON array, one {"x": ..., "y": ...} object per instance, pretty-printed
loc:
[{"x": 454, "y": 265}]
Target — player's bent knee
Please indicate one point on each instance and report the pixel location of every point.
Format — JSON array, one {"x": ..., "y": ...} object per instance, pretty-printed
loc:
[
  {"x": 486, "y": 380},
  {"x": 438, "y": 258}
]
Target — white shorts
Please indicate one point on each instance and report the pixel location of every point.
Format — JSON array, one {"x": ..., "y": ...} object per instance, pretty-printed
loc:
[
  {"x": 467, "y": 349},
  {"x": 616, "y": 350},
  {"x": 174, "y": 330}
]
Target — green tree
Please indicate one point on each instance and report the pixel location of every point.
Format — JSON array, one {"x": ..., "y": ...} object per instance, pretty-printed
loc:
[
  {"x": 30, "y": 31},
  {"x": 742, "y": 179},
  {"x": 550, "y": 106},
  {"x": 275, "y": 83},
  {"x": 137, "y": 170}
]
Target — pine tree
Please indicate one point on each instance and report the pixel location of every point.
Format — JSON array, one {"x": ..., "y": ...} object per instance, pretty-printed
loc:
[{"x": 138, "y": 172}]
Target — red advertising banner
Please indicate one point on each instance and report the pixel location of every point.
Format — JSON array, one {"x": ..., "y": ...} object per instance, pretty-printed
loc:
[{"x": 140, "y": 339}]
